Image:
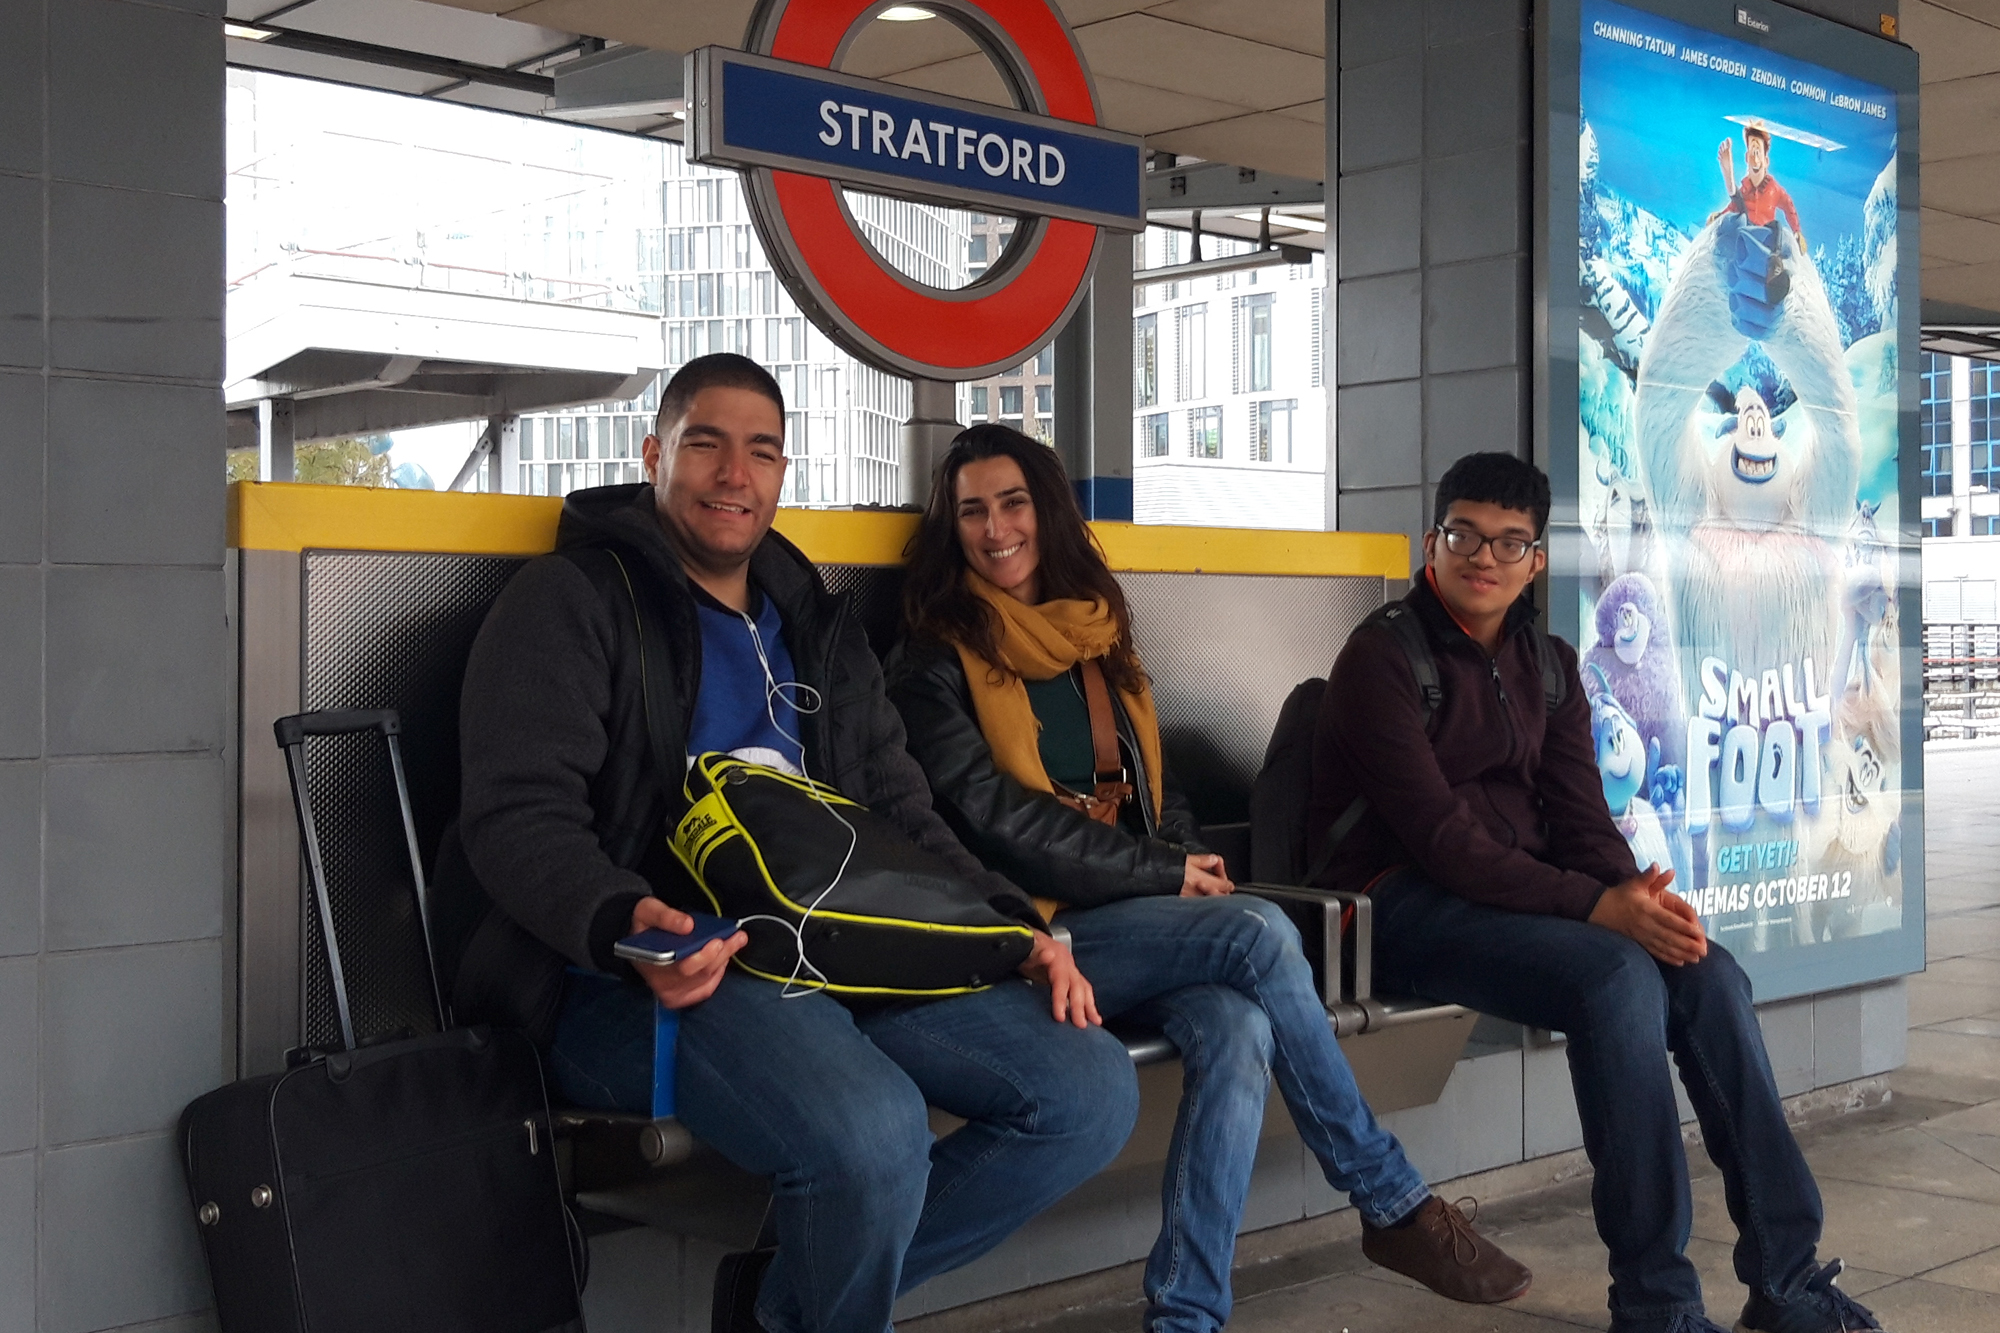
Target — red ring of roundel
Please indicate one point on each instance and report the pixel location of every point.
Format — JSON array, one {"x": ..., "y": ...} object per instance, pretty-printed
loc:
[{"x": 1018, "y": 315}]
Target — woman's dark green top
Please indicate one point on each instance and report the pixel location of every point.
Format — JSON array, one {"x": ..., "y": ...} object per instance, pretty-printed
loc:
[{"x": 1067, "y": 756}]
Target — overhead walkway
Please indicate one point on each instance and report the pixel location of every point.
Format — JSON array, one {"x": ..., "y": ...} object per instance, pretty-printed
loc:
[{"x": 337, "y": 345}]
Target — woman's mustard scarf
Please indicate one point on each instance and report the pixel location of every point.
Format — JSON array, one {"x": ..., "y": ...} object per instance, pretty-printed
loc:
[{"x": 1040, "y": 643}]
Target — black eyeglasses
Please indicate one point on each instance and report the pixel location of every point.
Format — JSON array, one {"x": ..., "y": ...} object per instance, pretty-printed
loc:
[{"x": 1465, "y": 543}]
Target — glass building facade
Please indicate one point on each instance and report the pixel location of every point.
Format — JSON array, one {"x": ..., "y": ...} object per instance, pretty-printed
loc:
[
  {"x": 1959, "y": 439},
  {"x": 1228, "y": 390}
]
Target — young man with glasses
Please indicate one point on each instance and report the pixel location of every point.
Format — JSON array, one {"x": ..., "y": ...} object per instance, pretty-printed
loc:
[{"x": 1501, "y": 883}]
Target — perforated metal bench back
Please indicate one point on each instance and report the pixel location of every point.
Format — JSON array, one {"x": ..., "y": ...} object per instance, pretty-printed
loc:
[{"x": 392, "y": 630}]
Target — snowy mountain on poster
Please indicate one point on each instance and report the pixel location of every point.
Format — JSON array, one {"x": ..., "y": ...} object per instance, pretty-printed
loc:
[{"x": 1639, "y": 248}]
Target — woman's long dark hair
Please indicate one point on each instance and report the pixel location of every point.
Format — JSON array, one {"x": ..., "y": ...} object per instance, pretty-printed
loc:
[{"x": 936, "y": 602}]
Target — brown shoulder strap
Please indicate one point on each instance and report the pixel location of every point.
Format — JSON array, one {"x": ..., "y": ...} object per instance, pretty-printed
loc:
[{"x": 1103, "y": 730}]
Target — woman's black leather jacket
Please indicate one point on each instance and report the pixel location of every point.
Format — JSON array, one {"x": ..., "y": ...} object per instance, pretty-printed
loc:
[{"x": 1030, "y": 837}]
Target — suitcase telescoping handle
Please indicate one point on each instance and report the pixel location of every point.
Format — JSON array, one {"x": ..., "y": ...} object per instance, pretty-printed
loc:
[
  {"x": 337, "y": 722},
  {"x": 292, "y": 732}
]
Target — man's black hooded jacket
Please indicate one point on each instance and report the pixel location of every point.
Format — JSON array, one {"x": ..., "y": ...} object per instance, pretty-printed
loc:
[{"x": 561, "y": 826}]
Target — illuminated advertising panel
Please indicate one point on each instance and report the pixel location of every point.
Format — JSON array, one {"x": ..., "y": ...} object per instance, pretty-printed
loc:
[{"x": 1727, "y": 433}]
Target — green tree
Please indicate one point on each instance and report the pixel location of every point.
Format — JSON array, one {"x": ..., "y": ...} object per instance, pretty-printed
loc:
[{"x": 343, "y": 462}]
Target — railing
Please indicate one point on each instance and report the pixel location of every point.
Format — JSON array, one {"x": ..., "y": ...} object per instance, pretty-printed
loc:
[
  {"x": 1961, "y": 681},
  {"x": 417, "y": 272}
]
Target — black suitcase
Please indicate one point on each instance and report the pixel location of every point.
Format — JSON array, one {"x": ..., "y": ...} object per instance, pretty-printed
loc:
[{"x": 407, "y": 1183}]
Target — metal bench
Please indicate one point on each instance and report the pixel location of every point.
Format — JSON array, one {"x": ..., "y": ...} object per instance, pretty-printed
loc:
[{"x": 330, "y": 628}]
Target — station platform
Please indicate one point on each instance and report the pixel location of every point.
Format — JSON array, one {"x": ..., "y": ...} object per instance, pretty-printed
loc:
[{"x": 1912, "y": 1186}]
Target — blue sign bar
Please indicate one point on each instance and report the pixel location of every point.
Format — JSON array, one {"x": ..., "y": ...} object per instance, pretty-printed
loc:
[{"x": 752, "y": 111}]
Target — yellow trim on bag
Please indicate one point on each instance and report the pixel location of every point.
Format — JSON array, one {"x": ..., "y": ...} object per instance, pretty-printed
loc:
[
  {"x": 710, "y": 765},
  {"x": 701, "y": 830},
  {"x": 812, "y": 984},
  {"x": 294, "y": 516}
]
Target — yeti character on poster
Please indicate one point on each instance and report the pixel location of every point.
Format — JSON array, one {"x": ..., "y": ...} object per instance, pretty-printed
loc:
[{"x": 1737, "y": 446}]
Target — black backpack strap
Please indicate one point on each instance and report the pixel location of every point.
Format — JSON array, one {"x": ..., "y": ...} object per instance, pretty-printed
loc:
[
  {"x": 1402, "y": 622},
  {"x": 1339, "y": 830},
  {"x": 1555, "y": 684}
]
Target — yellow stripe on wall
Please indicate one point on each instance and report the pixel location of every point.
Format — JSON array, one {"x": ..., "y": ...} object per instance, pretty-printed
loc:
[
  {"x": 290, "y": 516},
  {"x": 294, "y": 516}
]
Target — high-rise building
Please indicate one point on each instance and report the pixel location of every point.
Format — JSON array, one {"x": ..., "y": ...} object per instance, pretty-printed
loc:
[
  {"x": 1959, "y": 435},
  {"x": 1022, "y": 396},
  {"x": 1228, "y": 390}
]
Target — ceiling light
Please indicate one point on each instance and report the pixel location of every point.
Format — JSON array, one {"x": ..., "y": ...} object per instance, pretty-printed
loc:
[
  {"x": 905, "y": 14},
  {"x": 247, "y": 33}
]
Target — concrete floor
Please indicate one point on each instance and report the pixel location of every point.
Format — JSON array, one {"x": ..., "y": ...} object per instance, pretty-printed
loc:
[{"x": 1912, "y": 1188}]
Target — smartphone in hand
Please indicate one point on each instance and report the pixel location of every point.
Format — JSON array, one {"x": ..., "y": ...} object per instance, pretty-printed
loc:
[{"x": 663, "y": 946}]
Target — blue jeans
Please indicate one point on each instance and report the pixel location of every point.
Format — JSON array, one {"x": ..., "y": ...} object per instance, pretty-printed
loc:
[
  {"x": 1624, "y": 1013},
  {"x": 1226, "y": 980},
  {"x": 830, "y": 1104}
]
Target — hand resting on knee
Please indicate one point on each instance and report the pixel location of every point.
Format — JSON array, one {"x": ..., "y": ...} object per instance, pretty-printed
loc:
[{"x": 1646, "y": 911}]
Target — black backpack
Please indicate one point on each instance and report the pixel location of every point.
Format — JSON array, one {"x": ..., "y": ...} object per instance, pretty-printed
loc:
[{"x": 1279, "y": 796}]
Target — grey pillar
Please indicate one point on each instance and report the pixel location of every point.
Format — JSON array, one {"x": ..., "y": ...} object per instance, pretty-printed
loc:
[
  {"x": 926, "y": 435},
  {"x": 275, "y": 450},
  {"x": 1429, "y": 138},
  {"x": 1094, "y": 387},
  {"x": 1330, "y": 303},
  {"x": 506, "y": 448},
  {"x": 115, "y": 655}
]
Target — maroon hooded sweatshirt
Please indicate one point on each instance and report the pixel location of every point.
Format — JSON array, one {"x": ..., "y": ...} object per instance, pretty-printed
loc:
[{"x": 1501, "y": 804}]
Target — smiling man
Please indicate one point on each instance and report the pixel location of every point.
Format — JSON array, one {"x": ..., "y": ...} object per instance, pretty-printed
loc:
[
  {"x": 561, "y": 851},
  {"x": 1478, "y": 826}
]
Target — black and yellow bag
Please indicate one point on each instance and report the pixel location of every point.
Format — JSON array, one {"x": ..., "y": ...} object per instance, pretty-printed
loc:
[{"x": 896, "y": 922}]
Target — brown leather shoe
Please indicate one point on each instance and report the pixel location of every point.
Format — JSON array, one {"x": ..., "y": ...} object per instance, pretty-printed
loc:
[{"x": 1441, "y": 1250}]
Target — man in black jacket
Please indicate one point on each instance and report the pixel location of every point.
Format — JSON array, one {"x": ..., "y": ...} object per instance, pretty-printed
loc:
[{"x": 562, "y": 826}]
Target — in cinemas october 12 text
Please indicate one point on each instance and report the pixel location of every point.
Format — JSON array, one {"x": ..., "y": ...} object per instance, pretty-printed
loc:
[{"x": 1737, "y": 476}]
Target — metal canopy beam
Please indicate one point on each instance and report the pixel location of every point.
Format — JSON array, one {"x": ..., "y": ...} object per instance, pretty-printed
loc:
[
  {"x": 1966, "y": 340},
  {"x": 1222, "y": 187},
  {"x": 390, "y": 57},
  {"x": 371, "y": 411}
]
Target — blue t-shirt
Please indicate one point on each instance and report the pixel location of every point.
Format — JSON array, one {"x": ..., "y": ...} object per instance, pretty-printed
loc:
[{"x": 735, "y": 711}]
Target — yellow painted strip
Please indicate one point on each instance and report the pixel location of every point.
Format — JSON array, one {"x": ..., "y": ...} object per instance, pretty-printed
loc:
[
  {"x": 848, "y": 537},
  {"x": 286, "y": 516},
  {"x": 291, "y": 516},
  {"x": 1146, "y": 548}
]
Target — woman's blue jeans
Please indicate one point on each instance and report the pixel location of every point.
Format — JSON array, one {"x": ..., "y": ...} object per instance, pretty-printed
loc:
[
  {"x": 1226, "y": 980},
  {"x": 830, "y": 1105},
  {"x": 1624, "y": 1013}
]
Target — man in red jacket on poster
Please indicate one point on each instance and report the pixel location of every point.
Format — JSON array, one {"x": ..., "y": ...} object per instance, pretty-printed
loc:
[
  {"x": 1500, "y": 883},
  {"x": 1758, "y": 196}
]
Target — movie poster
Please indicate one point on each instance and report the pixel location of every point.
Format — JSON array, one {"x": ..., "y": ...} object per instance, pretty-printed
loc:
[{"x": 1737, "y": 441}]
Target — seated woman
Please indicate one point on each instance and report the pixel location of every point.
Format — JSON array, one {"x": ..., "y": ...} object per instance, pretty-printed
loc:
[{"x": 1029, "y": 710}]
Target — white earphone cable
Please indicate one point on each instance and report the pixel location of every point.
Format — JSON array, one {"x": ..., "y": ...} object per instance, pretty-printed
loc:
[{"x": 806, "y": 702}]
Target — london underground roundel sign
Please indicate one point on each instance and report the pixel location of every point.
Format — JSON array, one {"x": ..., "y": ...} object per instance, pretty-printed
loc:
[{"x": 799, "y": 130}]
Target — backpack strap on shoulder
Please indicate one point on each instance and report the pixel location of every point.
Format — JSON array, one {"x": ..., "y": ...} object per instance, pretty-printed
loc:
[
  {"x": 1402, "y": 622},
  {"x": 1555, "y": 685}
]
